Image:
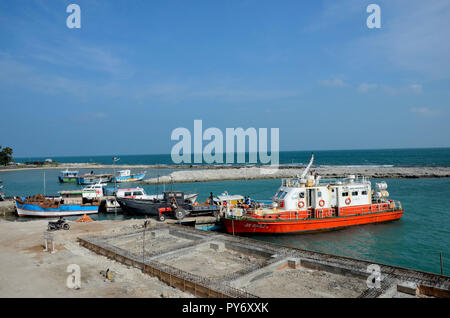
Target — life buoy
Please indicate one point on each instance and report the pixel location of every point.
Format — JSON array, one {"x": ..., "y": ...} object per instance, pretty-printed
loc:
[
  {"x": 301, "y": 204},
  {"x": 348, "y": 201},
  {"x": 321, "y": 203}
]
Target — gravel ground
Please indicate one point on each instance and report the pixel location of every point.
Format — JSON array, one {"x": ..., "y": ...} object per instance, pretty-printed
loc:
[
  {"x": 305, "y": 283},
  {"x": 28, "y": 271}
]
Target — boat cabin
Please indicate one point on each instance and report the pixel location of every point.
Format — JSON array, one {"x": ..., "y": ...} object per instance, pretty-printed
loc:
[
  {"x": 309, "y": 193},
  {"x": 131, "y": 193},
  {"x": 123, "y": 173},
  {"x": 68, "y": 173},
  {"x": 177, "y": 195}
]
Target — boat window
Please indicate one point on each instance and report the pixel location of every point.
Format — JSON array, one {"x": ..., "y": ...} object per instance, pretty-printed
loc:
[
  {"x": 301, "y": 195},
  {"x": 127, "y": 194},
  {"x": 355, "y": 193},
  {"x": 345, "y": 194},
  {"x": 279, "y": 194},
  {"x": 364, "y": 193},
  {"x": 283, "y": 195},
  {"x": 319, "y": 194},
  {"x": 137, "y": 193}
]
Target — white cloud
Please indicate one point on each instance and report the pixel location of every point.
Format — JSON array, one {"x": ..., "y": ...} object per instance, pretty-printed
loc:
[
  {"x": 425, "y": 111},
  {"x": 416, "y": 88},
  {"x": 334, "y": 83},
  {"x": 365, "y": 87},
  {"x": 409, "y": 89},
  {"x": 414, "y": 38}
]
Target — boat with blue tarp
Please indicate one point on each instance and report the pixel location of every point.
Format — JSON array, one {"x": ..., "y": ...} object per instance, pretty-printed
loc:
[{"x": 67, "y": 204}]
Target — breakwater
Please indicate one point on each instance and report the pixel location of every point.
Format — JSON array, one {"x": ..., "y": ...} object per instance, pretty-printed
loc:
[{"x": 202, "y": 175}]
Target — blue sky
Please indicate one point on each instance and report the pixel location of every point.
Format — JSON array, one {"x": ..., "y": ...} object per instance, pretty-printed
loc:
[{"x": 136, "y": 70}]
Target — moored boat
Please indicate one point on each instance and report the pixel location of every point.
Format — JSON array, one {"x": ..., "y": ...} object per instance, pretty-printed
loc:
[
  {"x": 305, "y": 204},
  {"x": 173, "y": 203},
  {"x": 92, "y": 178},
  {"x": 68, "y": 176},
  {"x": 127, "y": 176},
  {"x": 138, "y": 193},
  {"x": 69, "y": 203}
]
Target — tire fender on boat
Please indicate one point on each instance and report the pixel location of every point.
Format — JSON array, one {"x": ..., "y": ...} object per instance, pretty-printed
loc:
[
  {"x": 348, "y": 201},
  {"x": 301, "y": 204},
  {"x": 321, "y": 203}
]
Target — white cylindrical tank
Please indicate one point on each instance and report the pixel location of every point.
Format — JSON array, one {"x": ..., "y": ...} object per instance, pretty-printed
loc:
[{"x": 381, "y": 186}]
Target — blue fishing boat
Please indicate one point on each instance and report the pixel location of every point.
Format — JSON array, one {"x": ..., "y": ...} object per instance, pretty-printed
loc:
[
  {"x": 127, "y": 176},
  {"x": 68, "y": 204},
  {"x": 68, "y": 176}
]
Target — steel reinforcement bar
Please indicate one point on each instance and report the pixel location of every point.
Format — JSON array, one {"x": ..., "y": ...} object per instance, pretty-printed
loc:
[{"x": 187, "y": 282}]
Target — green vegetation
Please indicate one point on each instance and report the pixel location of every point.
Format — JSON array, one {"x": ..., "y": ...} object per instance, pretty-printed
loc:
[{"x": 6, "y": 155}]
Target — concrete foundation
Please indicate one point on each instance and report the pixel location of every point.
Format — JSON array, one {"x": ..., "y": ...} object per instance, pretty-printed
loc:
[{"x": 211, "y": 264}]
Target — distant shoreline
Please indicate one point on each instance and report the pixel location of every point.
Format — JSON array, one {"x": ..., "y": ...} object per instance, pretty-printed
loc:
[{"x": 197, "y": 173}]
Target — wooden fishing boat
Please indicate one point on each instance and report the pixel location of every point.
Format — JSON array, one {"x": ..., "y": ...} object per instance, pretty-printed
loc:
[{"x": 69, "y": 203}]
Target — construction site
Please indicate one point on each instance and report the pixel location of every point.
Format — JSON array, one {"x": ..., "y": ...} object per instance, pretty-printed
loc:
[
  {"x": 131, "y": 258},
  {"x": 211, "y": 264}
]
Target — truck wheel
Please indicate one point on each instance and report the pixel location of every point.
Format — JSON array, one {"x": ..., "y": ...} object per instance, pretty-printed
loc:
[
  {"x": 161, "y": 218},
  {"x": 179, "y": 214},
  {"x": 66, "y": 226}
]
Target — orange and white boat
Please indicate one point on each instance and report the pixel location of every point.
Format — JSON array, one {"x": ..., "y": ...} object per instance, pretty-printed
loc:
[{"x": 308, "y": 204}]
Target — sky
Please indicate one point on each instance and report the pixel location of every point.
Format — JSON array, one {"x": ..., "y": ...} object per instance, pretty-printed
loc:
[{"x": 136, "y": 70}]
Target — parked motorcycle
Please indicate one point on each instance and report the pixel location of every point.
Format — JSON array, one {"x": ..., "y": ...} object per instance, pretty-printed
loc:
[{"x": 58, "y": 225}]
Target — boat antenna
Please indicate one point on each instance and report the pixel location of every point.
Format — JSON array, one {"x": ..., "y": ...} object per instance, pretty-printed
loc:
[
  {"x": 157, "y": 183},
  {"x": 305, "y": 172},
  {"x": 44, "y": 184}
]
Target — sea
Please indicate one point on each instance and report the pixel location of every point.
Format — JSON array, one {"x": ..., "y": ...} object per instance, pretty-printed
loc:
[{"x": 415, "y": 241}]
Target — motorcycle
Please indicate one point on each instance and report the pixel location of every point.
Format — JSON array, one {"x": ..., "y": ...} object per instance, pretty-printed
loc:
[{"x": 58, "y": 225}]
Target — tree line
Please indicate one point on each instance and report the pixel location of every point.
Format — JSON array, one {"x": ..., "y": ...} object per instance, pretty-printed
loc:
[{"x": 6, "y": 155}]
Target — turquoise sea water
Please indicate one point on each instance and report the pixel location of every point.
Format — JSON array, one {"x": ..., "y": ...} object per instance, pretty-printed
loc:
[
  {"x": 395, "y": 157},
  {"x": 415, "y": 241}
]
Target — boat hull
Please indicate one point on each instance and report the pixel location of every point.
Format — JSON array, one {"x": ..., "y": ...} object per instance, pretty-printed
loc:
[
  {"x": 140, "y": 207},
  {"x": 26, "y": 209},
  {"x": 244, "y": 225},
  {"x": 67, "y": 179},
  {"x": 132, "y": 178},
  {"x": 93, "y": 180}
]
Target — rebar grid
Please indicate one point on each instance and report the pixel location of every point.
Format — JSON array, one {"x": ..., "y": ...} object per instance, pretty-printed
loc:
[{"x": 390, "y": 273}]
